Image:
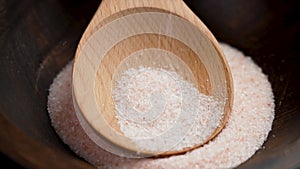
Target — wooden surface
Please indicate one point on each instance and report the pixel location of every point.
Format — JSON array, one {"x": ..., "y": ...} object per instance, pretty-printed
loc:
[
  {"x": 38, "y": 38},
  {"x": 122, "y": 22}
]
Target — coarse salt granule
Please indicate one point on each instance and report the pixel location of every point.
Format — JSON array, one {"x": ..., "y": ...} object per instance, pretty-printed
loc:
[{"x": 247, "y": 129}]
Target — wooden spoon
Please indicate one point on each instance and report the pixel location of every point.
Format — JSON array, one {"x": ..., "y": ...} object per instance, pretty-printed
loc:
[{"x": 118, "y": 34}]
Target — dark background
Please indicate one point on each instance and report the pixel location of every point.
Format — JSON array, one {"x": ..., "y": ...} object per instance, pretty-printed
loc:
[{"x": 37, "y": 38}]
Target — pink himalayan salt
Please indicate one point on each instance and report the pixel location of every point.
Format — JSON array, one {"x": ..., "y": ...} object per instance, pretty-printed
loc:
[{"x": 247, "y": 128}]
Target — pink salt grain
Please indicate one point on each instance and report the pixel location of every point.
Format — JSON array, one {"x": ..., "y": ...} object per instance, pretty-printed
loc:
[
  {"x": 149, "y": 102},
  {"x": 247, "y": 129}
]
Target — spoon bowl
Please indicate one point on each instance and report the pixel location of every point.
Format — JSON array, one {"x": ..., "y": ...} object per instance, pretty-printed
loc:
[{"x": 159, "y": 34}]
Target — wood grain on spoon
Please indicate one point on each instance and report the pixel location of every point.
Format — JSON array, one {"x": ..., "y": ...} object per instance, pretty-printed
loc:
[{"x": 120, "y": 28}]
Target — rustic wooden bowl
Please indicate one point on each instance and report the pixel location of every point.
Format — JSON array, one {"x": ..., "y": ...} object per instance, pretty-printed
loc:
[{"x": 38, "y": 38}]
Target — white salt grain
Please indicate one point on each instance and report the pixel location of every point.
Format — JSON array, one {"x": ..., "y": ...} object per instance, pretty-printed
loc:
[{"x": 247, "y": 129}]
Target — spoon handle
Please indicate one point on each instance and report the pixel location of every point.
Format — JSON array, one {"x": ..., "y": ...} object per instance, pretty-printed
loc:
[{"x": 112, "y": 9}]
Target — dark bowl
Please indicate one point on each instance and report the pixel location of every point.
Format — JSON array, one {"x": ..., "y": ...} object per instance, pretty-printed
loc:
[{"x": 38, "y": 38}]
